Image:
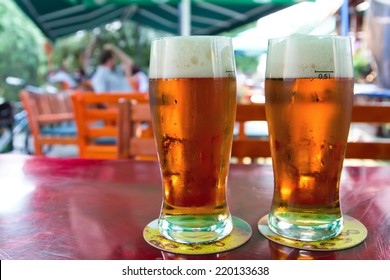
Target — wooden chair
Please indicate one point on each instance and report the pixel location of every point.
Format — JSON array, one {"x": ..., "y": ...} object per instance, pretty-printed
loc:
[
  {"x": 373, "y": 114},
  {"x": 97, "y": 122},
  {"x": 251, "y": 147},
  {"x": 132, "y": 143},
  {"x": 244, "y": 146},
  {"x": 51, "y": 119}
]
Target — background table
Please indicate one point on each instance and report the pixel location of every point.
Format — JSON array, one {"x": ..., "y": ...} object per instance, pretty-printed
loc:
[{"x": 90, "y": 209}]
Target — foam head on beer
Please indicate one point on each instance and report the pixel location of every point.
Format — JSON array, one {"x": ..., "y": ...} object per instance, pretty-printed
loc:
[
  {"x": 307, "y": 56},
  {"x": 192, "y": 57}
]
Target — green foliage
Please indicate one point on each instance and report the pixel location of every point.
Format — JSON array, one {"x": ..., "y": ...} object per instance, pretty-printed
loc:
[
  {"x": 247, "y": 64},
  {"x": 21, "y": 52},
  {"x": 133, "y": 40},
  {"x": 22, "y": 48},
  {"x": 129, "y": 37}
]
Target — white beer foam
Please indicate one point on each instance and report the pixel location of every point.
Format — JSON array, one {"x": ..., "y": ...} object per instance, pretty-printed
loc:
[
  {"x": 306, "y": 56},
  {"x": 192, "y": 57}
]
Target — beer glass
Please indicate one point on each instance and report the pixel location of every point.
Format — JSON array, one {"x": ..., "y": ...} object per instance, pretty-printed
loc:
[
  {"x": 309, "y": 91},
  {"x": 193, "y": 102}
]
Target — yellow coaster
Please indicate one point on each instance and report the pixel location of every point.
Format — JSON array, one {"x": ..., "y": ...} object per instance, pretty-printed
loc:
[
  {"x": 353, "y": 234},
  {"x": 240, "y": 234}
]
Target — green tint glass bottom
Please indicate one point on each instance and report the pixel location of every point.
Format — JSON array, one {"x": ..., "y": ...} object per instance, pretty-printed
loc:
[
  {"x": 240, "y": 234},
  {"x": 353, "y": 233}
]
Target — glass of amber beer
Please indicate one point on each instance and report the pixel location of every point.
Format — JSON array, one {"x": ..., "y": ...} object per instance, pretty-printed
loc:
[
  {"x": 309, "y": 91},
  {"x": 193, "y": 102}
]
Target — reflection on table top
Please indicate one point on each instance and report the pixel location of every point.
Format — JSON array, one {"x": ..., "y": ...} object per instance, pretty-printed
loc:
[{"x": 91, "y": 209}]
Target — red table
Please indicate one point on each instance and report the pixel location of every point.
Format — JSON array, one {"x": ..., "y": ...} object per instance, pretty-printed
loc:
[{"x": 90, "y": 209}]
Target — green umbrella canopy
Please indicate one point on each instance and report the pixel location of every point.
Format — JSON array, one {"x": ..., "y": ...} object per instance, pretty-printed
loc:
[{"x": 57, "y": 18}]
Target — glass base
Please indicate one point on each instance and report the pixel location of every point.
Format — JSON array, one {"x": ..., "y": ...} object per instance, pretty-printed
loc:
[
  {"x": 305, "y": 232},
  {"x": 192, "y": 230}
]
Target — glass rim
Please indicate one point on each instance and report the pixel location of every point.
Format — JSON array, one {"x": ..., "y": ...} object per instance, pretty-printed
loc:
[
  {"x": 190, "y": 36},
  {"x": 300, "y": 35}
]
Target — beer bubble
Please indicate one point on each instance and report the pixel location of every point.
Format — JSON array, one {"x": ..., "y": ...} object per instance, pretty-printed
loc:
[
  {"x": 195, "y": 60},
  {"x": 208, "y": 55}
]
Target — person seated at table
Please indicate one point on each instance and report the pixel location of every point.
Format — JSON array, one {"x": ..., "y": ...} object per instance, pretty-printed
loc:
[
  {"x": 62, "y": 78},
  {"x": 138, "y": 79},
  {"x": 110, "y": 77}
]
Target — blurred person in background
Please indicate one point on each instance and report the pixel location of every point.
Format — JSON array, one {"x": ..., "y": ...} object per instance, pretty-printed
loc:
[
  {"x": 62, "y": 78},
  {"x": 138, "y": 79},
  {"x": 110, "y": 77}
]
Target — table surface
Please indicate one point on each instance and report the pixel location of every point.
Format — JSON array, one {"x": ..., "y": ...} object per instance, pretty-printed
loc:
[{"x": 93, "y": 209}]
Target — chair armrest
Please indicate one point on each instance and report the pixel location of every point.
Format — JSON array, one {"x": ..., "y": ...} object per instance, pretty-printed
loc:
[{"x": 55, "y": 118}]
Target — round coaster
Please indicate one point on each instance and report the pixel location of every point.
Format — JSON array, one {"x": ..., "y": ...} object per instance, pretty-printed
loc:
[
  {"x": 240, "y": 234},
  {"x": 354, "y": 233}
]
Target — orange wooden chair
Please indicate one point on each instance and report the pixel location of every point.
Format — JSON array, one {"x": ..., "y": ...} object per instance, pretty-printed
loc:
[
  {"x": 133, "y": 142},
  {"x": 378, "y": 113},
  {"x": 51, "y": 119},
  {"x": 97, "y": 122},
  {"x": 245, "y": 145}
]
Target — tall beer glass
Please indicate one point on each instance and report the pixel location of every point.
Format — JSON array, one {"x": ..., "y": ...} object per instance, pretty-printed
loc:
[
  {"x": 309, "y": 91},
  {"x": 193, "y": 101}
]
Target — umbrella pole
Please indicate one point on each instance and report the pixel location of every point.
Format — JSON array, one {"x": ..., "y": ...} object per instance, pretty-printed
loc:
[
  {"x": 185, "y": 17},
  {"x": 345, "y": 18}
]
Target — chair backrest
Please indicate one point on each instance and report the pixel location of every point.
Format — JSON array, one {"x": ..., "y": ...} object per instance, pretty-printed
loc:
[
  {"x": 97, "y": 122},
  {"x": 244, "y": 146},
  {"x": 378, "y": 114},
  {"x": 132, "y": 141},
  {"x": 47, "y": 109},
  {"x": 42, "y": 107},
  {"x": 30, "y": 103}
]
